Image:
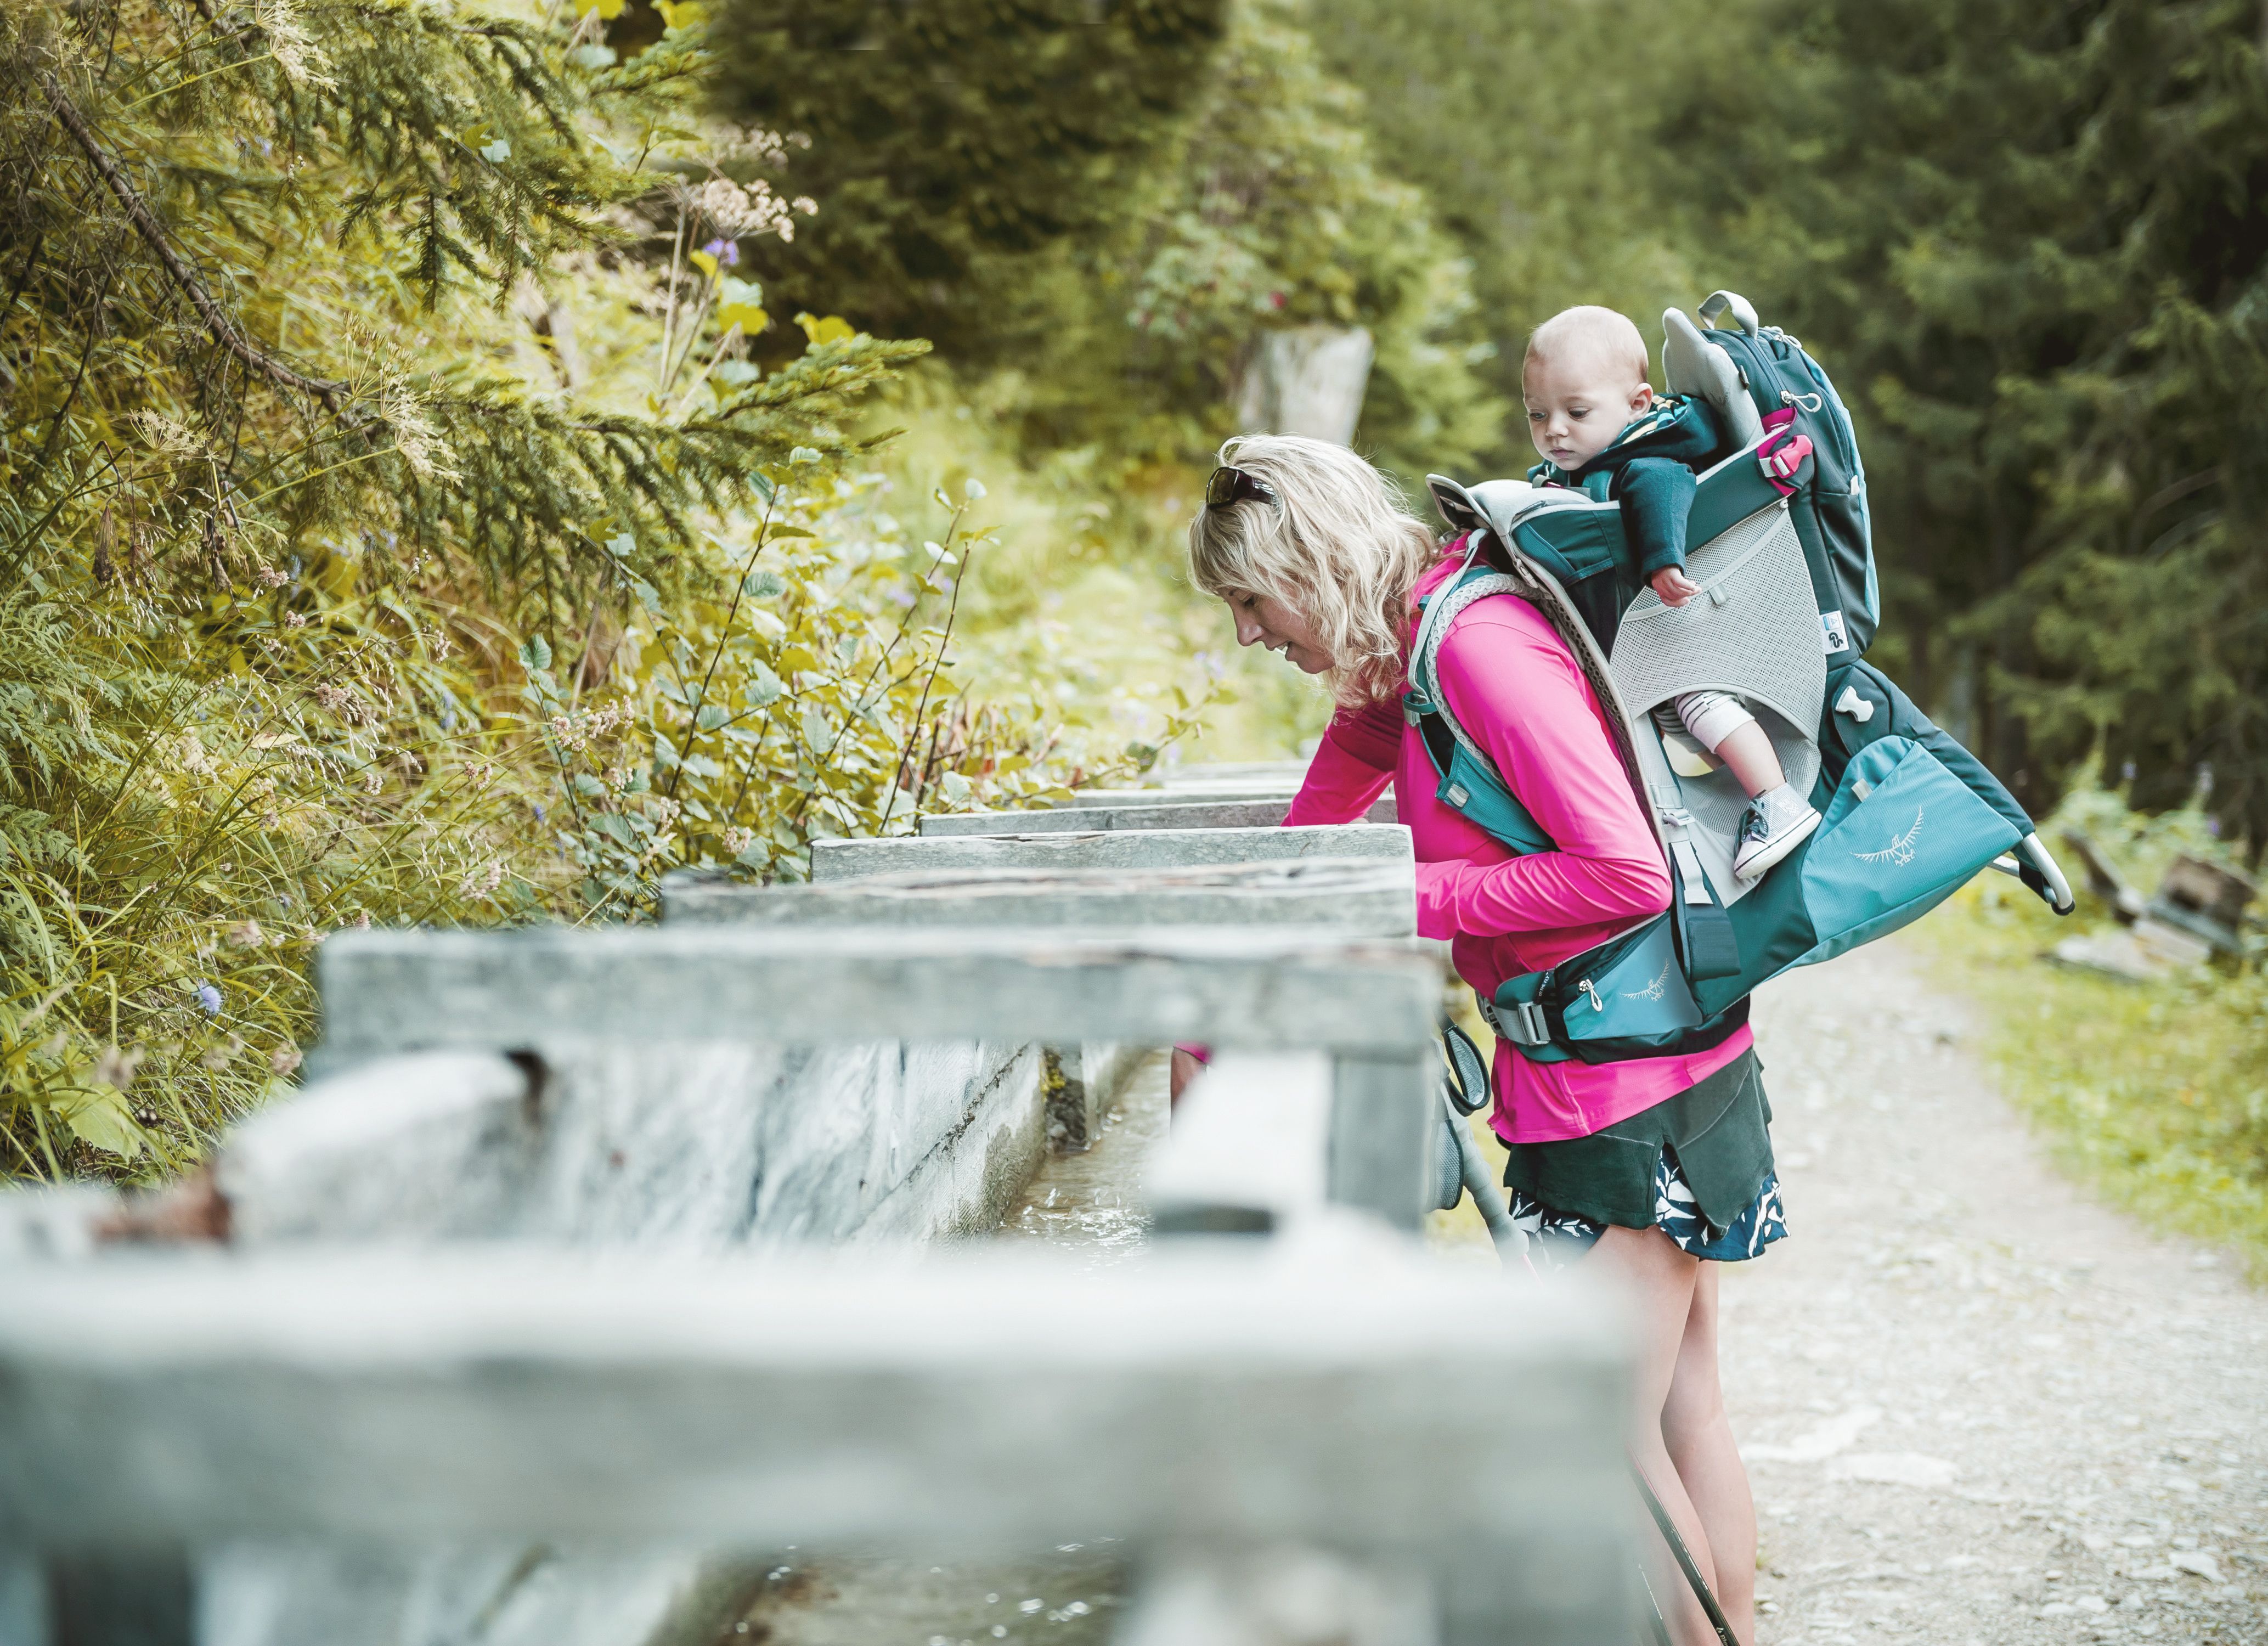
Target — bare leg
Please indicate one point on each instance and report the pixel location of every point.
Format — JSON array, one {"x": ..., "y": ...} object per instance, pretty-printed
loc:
[
  {"x": 1180, "y": 1072},
  {"x": 1748, "y": 750},
  {"x": 1661, "y": 1279},
  {"x": 1699, "y": 1439}
]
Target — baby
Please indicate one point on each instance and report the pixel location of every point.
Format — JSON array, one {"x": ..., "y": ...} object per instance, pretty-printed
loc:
[{"x": 1591, "y": 411}]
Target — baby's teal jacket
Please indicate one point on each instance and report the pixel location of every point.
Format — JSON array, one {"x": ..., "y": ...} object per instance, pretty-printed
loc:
[{"x": 1649, "y": 470}]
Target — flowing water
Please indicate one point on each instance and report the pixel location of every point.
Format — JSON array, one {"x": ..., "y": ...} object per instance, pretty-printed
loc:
[{"x": 1067, "y": 1595}]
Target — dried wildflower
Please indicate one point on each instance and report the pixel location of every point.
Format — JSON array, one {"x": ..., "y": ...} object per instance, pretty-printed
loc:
[
  {"x": 293, "y": 620},
  {"x": 271, "y": 577},
  {"x": 481, "y": 882},
  {"x": 295, "y": 50},
  {"x": 738, "y": 840},
  {"x": 115, "y": 1068},
  {"x": 283, "y": 1059},
  {"x": 245, "y": 934},
  {"x": 415, "y": 437},
  {"x": 170, "y": 438},
  {"x": 740, "y": 209}
]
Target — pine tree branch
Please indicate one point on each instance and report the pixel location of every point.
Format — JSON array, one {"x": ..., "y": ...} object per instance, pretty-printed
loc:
[{"x": 145, "y": 223}]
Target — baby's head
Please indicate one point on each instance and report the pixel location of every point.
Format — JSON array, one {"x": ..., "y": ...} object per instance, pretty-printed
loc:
[{"x": 1584, "y": 379}]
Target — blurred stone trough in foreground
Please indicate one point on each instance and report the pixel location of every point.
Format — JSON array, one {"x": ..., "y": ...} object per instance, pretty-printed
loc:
[{"x": 591, "y": 1292}]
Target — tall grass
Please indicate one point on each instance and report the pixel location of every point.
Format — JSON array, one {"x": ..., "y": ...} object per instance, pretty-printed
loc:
[{"x": 2153, "y": 1094}]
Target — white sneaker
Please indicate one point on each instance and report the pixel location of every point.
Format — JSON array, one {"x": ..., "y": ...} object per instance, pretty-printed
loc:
[{"x": 1775, "y": 823}]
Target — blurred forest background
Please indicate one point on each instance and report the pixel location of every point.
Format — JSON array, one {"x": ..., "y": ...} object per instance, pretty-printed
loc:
[{"x": 462, "y": 458}]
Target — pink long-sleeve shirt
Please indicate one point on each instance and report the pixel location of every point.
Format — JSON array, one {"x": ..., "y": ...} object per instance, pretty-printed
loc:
[{"x": 1517, "y": 691}]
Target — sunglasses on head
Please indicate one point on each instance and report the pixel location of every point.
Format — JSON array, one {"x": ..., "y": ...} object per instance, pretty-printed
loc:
[{"x": 1228, "y": 487}]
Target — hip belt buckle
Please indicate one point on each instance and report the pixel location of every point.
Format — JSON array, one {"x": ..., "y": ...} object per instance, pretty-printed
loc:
[{"x": 1519, "y": 1021}]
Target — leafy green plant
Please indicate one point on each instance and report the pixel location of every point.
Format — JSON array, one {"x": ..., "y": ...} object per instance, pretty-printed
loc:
[
  {"x": 298, "y": 440},
  {"x": 806, "y": 690}
]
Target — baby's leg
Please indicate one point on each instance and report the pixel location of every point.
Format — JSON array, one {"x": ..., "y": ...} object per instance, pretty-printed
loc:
[{"x": 1729, "y": 731}]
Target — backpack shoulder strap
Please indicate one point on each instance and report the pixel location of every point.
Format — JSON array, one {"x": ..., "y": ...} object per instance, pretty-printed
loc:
[{"x": 1442, "y": 608}]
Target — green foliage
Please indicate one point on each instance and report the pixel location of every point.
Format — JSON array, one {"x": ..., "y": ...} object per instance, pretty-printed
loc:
[
  {"x": 1082, "y": 597},
  {"x": 1543, "y": 138},
  {"x": 2032, "y": 240},
  {"x": 1274, "y": 210},
  {"x": 2027, "y": 240},
  {"x": 951, "y": 138},
  {"x": 297, "y": 442},
  {"x": 807, "y": 691},
  {"x": 2156, "y": 1094}
]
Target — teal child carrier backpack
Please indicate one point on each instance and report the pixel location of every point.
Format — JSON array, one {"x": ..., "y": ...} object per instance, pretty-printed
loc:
[{"x": 1780, "y": 543}]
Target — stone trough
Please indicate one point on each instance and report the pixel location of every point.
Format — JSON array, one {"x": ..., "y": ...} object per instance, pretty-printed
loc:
[{"x": 528, "y": 1337}]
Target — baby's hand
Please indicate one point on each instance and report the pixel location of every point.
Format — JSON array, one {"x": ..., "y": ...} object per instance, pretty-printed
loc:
[{"x": 1674, "y": 587}]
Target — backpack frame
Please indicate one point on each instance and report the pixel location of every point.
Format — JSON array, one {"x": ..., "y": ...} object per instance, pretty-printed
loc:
[{"x": 1908, "y": 815}]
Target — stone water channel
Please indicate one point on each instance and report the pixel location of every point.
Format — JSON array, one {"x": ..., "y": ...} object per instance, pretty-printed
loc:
[
  {"x": 705, "y": 1110},
  {"x": 1087, "y": 1202}
]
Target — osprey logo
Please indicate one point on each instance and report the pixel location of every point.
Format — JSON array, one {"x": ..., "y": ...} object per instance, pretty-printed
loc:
[
  {"x": 1655, "y": 990},
  {"x": 1901, "y": 850}
]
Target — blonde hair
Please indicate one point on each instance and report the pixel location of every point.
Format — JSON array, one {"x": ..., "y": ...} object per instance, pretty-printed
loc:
[
  {"x": 1596, "y": 334},
  {"x": 1344, "y": 552}
]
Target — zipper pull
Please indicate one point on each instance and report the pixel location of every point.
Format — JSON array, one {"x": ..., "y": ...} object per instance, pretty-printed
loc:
[{"x": 1587, "y": 987}]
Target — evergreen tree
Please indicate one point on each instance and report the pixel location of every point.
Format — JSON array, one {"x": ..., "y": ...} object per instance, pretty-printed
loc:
[
  {"x": 1542, "y": 138},
  {"x": 945, "y": 135},
  {"x": 277, "y": 500},
  {"x": 2034, "y": 240}
]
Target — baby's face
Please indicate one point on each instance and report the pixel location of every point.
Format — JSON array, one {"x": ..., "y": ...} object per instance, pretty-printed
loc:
[{"x": 1576, "y": 406}]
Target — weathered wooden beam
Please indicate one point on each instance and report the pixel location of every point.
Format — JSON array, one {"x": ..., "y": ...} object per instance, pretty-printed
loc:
[
  {"x": 1097, "y": 800},
  {"x": 1381, "y": 1143},
  {"x": 834, "y": 860},
  {"x": 1173, "y": 813},
  {"x": 1202, "y": 771},
  {"x": 424, "y": 1147},
  {"x": 1249, "y": 1149},
  {"x": 1369, "y": 897},
  {"x": 984, "y": 1401},
  {"x": 391, "y": 991}
]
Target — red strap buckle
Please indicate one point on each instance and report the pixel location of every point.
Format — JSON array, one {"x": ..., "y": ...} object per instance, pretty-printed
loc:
[{"x": 1783, "y": 451}]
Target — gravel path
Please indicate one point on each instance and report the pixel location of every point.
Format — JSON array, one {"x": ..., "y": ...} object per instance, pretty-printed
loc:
[{"x": 1978, "y": 1408}]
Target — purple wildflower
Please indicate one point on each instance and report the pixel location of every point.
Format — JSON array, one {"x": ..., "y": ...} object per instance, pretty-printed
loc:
[
  {"x": 726, "y": 252},
  {"x": 208, "y": 997}
]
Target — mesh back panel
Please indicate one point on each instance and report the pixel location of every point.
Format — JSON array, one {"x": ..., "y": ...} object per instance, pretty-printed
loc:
[{"x": 1753, "y": 630}]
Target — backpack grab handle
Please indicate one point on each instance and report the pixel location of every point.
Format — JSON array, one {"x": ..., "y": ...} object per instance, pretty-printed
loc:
[{"x": 1743, "y": 311}]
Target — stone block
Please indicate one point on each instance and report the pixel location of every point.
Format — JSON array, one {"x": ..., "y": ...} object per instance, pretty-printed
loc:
[
  {"x": 836, "y": 861},
  {"x": 985, "y": 1399},
  {"x": 1175, "y": 813},
  {"x": 1369, "y": 896},
  {"x": 1249, "y": 1150},
  {"x": 545, "y": 988}
]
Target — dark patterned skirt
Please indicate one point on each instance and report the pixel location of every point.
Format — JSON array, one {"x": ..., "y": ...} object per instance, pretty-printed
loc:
[{"x": 1698, "y": 1166}]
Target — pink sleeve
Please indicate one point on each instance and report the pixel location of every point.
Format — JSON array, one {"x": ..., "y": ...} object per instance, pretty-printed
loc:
[
  {"x": 1353, "y": 765},
  {"x": 1517, "y": 690}
]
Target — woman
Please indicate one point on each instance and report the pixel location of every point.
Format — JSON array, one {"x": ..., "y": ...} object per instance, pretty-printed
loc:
[{"x": 1651, "y": 1171}]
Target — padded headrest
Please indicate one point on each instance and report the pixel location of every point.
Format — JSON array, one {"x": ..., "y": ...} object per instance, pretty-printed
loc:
[
  {"x": 1691, "y": 364},
  {"x": 1496, "y": 504}
]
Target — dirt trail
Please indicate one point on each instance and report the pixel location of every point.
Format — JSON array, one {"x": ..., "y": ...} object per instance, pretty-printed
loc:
[
  {"x": 1977, "y": 1407},
  {"x": 1980, "y": 1410}
]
